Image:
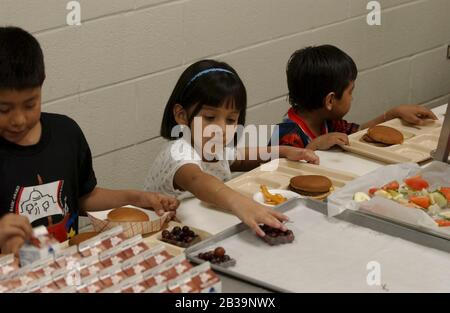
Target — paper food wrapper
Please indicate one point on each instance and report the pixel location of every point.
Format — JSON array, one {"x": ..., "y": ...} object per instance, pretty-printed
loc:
[
  {"x": 436, "y": 173},
  {"x": 100, "y": 222}
]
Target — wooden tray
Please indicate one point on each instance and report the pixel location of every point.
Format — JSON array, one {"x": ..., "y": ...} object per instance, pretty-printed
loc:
[
  {"x": 155, "y": 239},
  {"x": 278, "y": 178},
  {"x": 418, "y": 143}
]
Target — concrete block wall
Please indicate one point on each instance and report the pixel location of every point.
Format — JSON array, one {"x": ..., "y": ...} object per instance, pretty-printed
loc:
[{"x": 114, "y": 73}]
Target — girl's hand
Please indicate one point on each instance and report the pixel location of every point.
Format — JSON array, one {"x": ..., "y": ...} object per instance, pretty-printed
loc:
[
  {"x": 253, "y": 214},
  {"x": 327, "y": 141},
  {"x": 411, "y": 113},
  {"x": 298, "y": 154},
  {"x": 158, "y": 202},
  {"x": 13, "y": 225}
]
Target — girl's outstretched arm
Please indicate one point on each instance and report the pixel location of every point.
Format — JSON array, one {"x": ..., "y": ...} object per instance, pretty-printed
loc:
[{"x": 212, "y": 190}]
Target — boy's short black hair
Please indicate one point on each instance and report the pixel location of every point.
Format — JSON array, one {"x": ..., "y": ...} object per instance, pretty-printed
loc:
[
  {"x": 216, "y": 88},
  {"x": 314, "y": 72},
  {"x": 21, "y": 60}
]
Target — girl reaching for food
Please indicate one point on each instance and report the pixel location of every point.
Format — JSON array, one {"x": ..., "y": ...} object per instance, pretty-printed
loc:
[{"x": 211, "y": 94}]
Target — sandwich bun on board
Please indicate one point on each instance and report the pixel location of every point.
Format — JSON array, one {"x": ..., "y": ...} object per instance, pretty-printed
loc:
[
  {"x": 125, "y": 214},
  {"x": 312, "y": 186},
  {"x": 383, "y": 135}
]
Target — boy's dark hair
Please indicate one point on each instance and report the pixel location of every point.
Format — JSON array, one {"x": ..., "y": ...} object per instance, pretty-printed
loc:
[
  {"x": 314, "y": 72},
  {"x": 21, "y": 60},
  {"x": 217, "y": 87}
]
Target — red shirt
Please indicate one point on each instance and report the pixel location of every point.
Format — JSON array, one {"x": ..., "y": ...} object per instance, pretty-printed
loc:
[{"x": 295, "y": 132}]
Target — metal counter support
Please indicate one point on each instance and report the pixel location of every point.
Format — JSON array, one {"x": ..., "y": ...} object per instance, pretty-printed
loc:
[{"x": 443, "y": 149}]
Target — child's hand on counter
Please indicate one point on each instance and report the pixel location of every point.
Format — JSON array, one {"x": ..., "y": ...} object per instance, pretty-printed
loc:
[
  {"x": 411, "y": 113},
  {"x": 253, "y": 214},
  {"x": 12, "y": 225},
  {"x": 327, "y": 141},
  {"x": 157, "y": 202},
  {"x": 299, "y": 154}
]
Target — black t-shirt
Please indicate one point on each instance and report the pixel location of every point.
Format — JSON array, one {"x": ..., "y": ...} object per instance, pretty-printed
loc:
[{"x": 45, "y": 181}]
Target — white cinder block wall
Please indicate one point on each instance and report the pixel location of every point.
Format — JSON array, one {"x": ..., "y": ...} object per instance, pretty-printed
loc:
[{"x": 114, "y": 73}]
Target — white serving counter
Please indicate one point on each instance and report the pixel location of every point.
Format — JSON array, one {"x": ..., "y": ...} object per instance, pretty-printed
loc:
[{"x": 194, "y": 213}]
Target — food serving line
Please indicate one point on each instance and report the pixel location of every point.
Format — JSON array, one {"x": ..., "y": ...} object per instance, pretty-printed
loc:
[
  {"x": 349, "y": 243},
  {"x": 329, "y": 254}
]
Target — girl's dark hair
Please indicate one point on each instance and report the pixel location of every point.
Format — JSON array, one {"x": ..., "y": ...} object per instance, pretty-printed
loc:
[
  {"x": 214, "y": 88},
  {"x": 21, "y": 60},
  {"x": 314, "y": 72}
]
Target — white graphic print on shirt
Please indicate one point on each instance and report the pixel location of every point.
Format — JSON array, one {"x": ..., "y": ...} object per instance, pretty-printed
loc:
[{"x": 40, "y": 201}]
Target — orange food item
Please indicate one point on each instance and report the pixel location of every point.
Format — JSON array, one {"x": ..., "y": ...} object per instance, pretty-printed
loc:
[
  {"x": 373, "y": 190},
  {"x": 423, "y": 202},
  {"x": 443, "y": 223},
  {"x": 416, "y": 183},
  {"x": 274, "y": 199},
  {"x": 393, "y": 185},
  {"x": 446, "y": 192}
]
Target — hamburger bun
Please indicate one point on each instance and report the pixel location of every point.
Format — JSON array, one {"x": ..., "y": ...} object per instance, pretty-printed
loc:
[
  {"x": 386, "y": 135},
  {"x": 322, "y": 196},
  {"x": 313, "y": 186},
  {"x": 367, "y": 139},
  {"x": 76, "y": 240},
  {"x": 125, "y": 214}
]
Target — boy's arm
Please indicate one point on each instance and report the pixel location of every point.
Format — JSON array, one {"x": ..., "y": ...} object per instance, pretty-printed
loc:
[
  {"x": 410, "y": 113},
  {"x": 250, "y": 158},
  {"x": 327, "y": 141},
  {"x": 14, "y": 230},
  {"x": 104, "y": 199},
  {"x": 386, "y": 116}
]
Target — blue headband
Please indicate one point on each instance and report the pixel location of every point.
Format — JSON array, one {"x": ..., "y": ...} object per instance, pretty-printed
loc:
[{"x": 204, "y": 72}]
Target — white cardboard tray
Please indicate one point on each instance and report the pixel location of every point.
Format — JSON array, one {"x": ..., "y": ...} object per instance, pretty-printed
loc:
[
  {"x": 278, "y": 176},
  {"x": 418, "y": 143}
]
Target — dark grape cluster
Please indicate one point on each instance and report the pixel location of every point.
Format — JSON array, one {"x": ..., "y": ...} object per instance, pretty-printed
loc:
[
  {"x": 275, "y": 236},
  {"x": 184, "y": 235},
  {"x": 275, "y": 232},
  {"x": 216, "y": 257}
]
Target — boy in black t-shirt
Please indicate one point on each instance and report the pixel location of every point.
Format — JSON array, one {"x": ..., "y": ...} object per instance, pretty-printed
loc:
[{"x": 46, "y": 169}]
